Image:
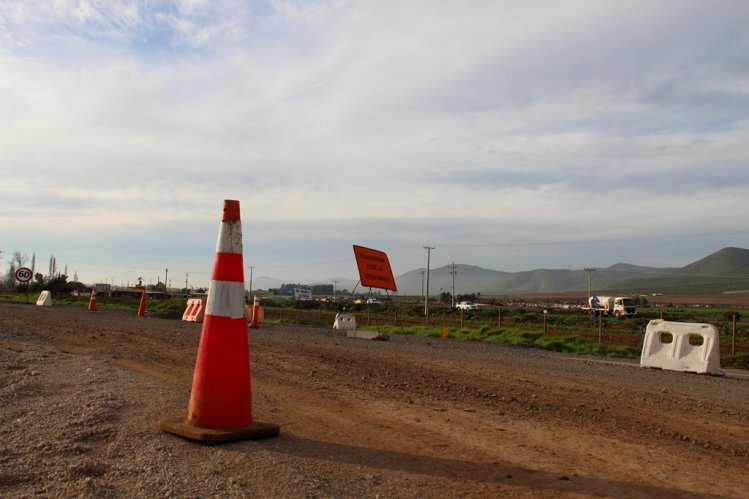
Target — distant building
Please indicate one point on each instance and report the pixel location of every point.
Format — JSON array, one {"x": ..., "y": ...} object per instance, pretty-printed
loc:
[{"x": 292, "y": 291}]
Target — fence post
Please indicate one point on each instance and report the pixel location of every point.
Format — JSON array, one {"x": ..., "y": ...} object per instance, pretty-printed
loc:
[
  {"x": 546, "y": 312},
  {"x": 733, "y": 336},
  {"x": 499, "y": 317},
  {"x": 600, "y": 327},
  {"x": 461, "y": 318}
]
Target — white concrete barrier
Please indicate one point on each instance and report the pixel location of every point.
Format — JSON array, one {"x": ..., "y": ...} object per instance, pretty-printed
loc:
[
  {"x": 345, "y": 321},
  {"x": 45, "y": 299},
  {"x": 682, "y": 346}
]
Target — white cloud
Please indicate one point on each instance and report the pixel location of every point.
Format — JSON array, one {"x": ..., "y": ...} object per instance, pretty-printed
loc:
[{"x": 427, "y": 121}]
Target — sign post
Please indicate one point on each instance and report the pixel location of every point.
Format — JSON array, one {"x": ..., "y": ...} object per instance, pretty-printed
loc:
[{"x": 24, "y": 275}]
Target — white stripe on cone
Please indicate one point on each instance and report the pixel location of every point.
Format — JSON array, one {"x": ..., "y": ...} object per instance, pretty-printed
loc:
[
  {"x": 229, "y": 237},
  {"x": 226, "y": 299}
]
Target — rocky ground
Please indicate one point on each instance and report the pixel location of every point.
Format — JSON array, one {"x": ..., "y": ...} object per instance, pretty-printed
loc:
[{"x": 81, "y": 394}]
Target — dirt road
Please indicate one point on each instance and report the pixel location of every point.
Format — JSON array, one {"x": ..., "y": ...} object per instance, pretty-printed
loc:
[{"x": 81, "y": 394}]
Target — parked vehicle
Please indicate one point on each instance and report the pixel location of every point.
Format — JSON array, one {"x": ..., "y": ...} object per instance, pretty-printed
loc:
[
  {"x": 618, "y": 306},
  {"x": 466, "y": 305}
]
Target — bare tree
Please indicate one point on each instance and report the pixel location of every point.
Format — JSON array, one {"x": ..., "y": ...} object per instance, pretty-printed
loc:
[
  {"x": 19, "y": 259},
  {"x": 16, "y": 262}
]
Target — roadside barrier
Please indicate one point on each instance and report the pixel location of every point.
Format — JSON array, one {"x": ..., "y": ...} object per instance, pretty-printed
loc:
[
  {"x": 142, "y": 306},
  {"x": 256, "y": 313},
  {"x": 682, "y": 346},
  {"x": 92, "y": 301},
  {"x": 344, "y": 321},
  {"x": 220, "y": 407},
  {"x": 45, "y": 299},
  {"x": 195, "y": 310}
]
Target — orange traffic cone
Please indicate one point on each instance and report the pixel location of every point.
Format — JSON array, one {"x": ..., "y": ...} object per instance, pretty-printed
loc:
[
  {"x": 142, "y": 306},
  {"x": 220, "y": 408},
  {"x": 255, "y": 322},
  {"x": 444, "y": 332},
  {"x": 92, "y": 301}
]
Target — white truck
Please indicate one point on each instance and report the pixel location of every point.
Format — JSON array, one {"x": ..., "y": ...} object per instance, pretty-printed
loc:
[{"x": 618, "y": 306}]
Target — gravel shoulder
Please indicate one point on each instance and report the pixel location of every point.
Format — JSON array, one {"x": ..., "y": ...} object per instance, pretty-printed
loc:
[{"x": 81, "y": 394}]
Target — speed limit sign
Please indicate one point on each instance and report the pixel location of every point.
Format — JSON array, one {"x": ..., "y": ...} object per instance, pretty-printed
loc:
[{"x": 24, "y": 274}]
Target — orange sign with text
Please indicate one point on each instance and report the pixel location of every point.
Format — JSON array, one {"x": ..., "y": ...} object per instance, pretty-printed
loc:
[{"x": 374, "y": 268}]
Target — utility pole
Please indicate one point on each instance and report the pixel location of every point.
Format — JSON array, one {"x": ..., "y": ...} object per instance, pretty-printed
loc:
[
  {"x": 186, "y": 276},
  {"x": 590, "y": 271},
  {"x": 335, "y": 287},
  {"x": 453, "y": 272},
  {"x": 251, "y": 267},
  {"x": 426, "y": 301},
  {"x": 166, "y": 280}
]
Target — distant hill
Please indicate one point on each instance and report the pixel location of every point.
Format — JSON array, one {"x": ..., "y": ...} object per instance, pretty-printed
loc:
[
  {"x": 468, "y": 279},
  {"x": 725, "y": 261},
  {"x": 724, "y": 270}
]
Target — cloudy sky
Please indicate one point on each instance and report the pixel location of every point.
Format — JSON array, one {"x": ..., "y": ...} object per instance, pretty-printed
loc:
[{"x": 512, "y": 135}]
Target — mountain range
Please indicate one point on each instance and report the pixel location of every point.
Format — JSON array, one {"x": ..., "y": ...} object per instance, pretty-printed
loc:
[
  {"x": 722, "y": 271},
  {"x": 725, "y": 270}
]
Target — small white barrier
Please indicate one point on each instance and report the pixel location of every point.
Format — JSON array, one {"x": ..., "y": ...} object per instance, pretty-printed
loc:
[
  {"x": 345, "y": 321},
  {"x": 682, "y": 346},
  {"x": 44, "y": 300}
]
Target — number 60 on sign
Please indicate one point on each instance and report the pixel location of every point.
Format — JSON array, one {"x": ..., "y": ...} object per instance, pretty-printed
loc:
[{"x": 24, "y": 274}]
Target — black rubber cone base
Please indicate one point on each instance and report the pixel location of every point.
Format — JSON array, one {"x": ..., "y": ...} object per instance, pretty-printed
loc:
[{"x": 179, "y": 426}]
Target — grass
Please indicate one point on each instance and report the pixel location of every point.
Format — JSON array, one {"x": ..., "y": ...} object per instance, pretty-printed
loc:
[
  {"x": 165, "y": 307},
  {"x": 568, "y": 344},
  {"x": 738, "y": 361}
]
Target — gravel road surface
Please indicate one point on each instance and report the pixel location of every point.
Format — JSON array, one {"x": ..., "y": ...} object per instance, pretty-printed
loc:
[{"x": 81, "y": 394}]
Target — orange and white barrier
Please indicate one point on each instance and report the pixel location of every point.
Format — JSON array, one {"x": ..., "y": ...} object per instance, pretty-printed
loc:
[
  {"x": 142, "y": 305},
  {"x": 195, "y": 310},
  {"x": 92, "y": 301},
  {"x": 45, "y": 299},
  {"x": 256, "y": 313},
  {"x": 682, "y": 346},
  {"x": 220, "y": 407}
]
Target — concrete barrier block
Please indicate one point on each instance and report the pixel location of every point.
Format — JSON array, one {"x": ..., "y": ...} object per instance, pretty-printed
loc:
[{"x": 682, "y": 346}]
